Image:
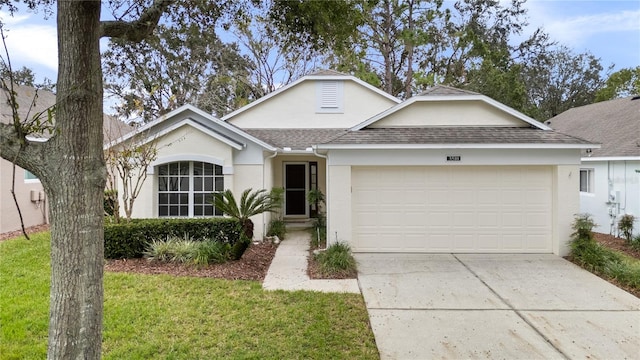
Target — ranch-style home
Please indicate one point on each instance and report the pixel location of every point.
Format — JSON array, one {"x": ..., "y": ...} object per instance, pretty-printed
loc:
[{"x": 444, "y": 171}]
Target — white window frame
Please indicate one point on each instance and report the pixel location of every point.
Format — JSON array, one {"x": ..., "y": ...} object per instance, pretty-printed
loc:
[
  {"x": 589, "y": 176},
  {"x": 329, "y": 96},
  {"x": 190, "y": 192}
]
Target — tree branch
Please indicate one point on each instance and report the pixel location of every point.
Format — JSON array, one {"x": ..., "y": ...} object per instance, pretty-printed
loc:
[
  {"x": 137, "y": 30},
  {"x": 27, "y": 157}
]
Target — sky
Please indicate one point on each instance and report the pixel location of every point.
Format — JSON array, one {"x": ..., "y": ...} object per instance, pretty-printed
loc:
[{"x": 609, "y": 29}]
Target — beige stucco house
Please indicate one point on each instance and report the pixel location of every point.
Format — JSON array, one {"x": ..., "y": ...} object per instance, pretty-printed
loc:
[
  {"x": 30, "y": 194},
  {"x": 445, "y": 171}
]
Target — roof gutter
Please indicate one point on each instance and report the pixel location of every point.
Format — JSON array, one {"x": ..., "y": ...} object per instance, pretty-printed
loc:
[{"x": 452, "y": 146}]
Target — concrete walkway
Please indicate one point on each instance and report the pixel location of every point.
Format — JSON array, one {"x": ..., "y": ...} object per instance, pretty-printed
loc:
[{"x": 288, "y": 270}]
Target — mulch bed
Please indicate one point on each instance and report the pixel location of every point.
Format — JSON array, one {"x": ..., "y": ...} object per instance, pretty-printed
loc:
[
  {"x": 253, "y": 265},
  {"x": 616, "y": 243},
  {"x": 30, "y": 230},
  {"x": 620, "y": 245}
]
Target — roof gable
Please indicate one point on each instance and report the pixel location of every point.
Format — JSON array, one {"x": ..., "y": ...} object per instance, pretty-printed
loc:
[
  {"x": 446, "y": 106},
  {"x": 191, "y": 115},
  {"x": 300, "y": 105}
]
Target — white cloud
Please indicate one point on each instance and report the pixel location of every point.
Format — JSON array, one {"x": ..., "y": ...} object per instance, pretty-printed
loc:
[
  {"x": 572, "y": 29},
  {"x": 30, "y": 43},
  {"x": 576, "y": 30}
]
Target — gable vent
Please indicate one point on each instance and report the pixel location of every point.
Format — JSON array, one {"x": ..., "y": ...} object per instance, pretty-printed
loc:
[{"x": 329, "y": 96}]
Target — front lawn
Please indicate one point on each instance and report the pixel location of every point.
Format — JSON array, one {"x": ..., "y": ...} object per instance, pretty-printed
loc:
[{"x": 168, "y": 317}]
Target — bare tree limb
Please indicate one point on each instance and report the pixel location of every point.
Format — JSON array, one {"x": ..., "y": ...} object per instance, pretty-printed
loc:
[{"x": 139, "y": 29}]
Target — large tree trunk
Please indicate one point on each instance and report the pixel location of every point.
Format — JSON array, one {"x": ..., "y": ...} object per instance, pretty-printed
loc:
[{"x": 76, "y": 166}]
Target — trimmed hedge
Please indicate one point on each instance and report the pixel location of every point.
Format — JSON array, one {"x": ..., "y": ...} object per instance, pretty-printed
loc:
[{"x": 128, "y": 240}]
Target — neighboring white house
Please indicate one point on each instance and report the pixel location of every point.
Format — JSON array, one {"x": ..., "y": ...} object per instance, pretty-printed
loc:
[
  {"x": 445, "y": 171},
  {"x": 609, "y": 176}
]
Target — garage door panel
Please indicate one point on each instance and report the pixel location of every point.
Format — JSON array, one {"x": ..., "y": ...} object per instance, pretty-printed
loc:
[
  {"x": 438, "y": 196},
  {"x": 452, "y": 209},
  {"x": 464, "y": 218}
]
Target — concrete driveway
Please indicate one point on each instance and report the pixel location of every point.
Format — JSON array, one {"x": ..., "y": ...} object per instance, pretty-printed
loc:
[{"x": 460, "y": 306}]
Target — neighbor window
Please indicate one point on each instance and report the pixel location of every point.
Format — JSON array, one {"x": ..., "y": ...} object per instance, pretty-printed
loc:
[
  {"x": 586, "y": 180},
  {"x": 329, "y": 94},
  {"x": 29, "y": 177},
  {"x": 185, "y": 188}
]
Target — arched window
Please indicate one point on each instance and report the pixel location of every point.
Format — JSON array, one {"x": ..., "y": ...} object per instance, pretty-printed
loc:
[{"x": 185, "y": 188}]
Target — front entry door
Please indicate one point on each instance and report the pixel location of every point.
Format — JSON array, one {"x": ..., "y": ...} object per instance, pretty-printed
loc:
[{"x": 295, "y": 189}]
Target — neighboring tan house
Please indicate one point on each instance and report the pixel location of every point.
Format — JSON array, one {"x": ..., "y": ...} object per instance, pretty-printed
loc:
[
  {"x": 445, "y": 171},
  {"x": 609, "y": 176},
  {"x": 29, "y": 191}
]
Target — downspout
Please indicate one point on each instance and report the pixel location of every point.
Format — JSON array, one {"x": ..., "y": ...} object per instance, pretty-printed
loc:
[
  {"x": 326, "y": 199},
  {"x": 264, "y": 161}
]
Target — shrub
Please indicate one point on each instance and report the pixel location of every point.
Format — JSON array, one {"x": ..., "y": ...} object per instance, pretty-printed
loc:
[
  {"x": 625, "y": 225},
  {"x": 129, "y": 239},
  {"x": 211, "y": 252},
  {"x": 319, "y": 231},
  {"x": 582, "y": 236},
  {"x": 277, "y": 228},
  {"x": 336, "y": 259},
  {"x": 187, "y": 251},
  {"x": 598, "y": 259},
  {"x": 635, "y": 243}
]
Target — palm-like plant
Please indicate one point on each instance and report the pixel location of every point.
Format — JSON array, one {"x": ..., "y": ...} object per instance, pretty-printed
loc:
[{"x": 251, "y": 203}]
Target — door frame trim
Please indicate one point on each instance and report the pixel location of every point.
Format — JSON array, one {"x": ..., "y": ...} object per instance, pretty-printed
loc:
[{"x": 306, "y": 188}]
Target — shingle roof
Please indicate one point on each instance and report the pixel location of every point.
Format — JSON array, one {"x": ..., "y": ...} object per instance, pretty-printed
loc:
[
  {"x": 327, "y": 72},
  {"x": 614, "y": 123},
  {"x": 32, "y": 102},
  {"x": 296, "y": 139},
  {"x": 455, "y": 135},
  {"x": 442, "y": 90}
]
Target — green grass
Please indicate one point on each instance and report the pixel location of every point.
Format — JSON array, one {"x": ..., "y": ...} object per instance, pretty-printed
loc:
[{"x": 164, "y": 317}]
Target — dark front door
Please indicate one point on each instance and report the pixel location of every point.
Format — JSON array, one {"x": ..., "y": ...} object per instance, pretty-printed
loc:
[{"x": 295, "y": 189}]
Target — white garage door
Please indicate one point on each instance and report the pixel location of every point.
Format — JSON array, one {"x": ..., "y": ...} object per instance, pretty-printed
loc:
[{"x": 470, "y": 209}]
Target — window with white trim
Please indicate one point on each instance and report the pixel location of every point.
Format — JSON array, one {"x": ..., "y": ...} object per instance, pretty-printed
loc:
[
  {"x": 586, "y": 180},
  {"x": 30, "y": 177},
  {"x": 185, "y": 188},
  {"x": 329, "y": 96}
]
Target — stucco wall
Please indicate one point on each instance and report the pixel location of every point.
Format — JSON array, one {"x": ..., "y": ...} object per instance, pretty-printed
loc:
[
  {"x": 566, "y": 203},
  {"x": 612, "y": 178},
  {"x": 249, "y": 177},
  {"x": 183, "y": 144},
  {"x": 442, "y": 113},
  {"x": 339, "y": 204},
  {"x": 565, "y": 185},
  {"x": 33, "y": 213},
  {"x": 296, "y": 108}
]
